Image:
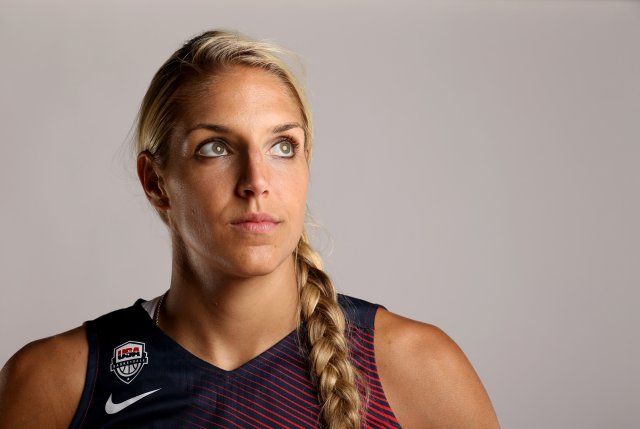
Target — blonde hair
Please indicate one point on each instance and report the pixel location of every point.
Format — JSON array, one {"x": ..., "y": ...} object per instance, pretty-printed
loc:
[{"x": 336, "y": 378}]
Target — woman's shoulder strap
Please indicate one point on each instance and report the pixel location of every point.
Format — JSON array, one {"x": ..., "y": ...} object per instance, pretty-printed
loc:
[{"x": 358, "y": 312}]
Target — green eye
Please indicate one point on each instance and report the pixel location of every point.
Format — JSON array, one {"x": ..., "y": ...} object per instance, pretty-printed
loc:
[
  {"x": 284, "y": 148},
  {"x": 213, "y": 149}
]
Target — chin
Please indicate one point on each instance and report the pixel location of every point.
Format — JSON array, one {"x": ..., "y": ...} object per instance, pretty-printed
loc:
[{"x": 256, "y": 263}]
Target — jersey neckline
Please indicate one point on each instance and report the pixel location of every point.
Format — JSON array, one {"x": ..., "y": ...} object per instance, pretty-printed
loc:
[{"x": 257, "y": 361}]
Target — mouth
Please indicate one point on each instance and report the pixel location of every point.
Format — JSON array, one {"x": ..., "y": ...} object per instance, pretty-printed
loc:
[{"x": 258, "y": 223}]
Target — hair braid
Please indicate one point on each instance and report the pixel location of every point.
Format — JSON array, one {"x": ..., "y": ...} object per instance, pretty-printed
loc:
[{"x": 331, "y": 368}]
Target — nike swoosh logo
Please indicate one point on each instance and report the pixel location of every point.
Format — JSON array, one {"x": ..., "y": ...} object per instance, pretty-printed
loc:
[{"x": 112, "y": 408}]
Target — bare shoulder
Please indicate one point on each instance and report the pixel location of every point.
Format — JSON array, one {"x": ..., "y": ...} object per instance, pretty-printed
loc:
[
  {"x": 41, "y": 385},
  {"x": 426, "y": 377}
]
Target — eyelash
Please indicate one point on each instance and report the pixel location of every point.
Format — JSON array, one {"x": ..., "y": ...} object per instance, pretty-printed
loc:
[
  {"x": 294, "y": 146},
  {"x": 203, "y": 144}
]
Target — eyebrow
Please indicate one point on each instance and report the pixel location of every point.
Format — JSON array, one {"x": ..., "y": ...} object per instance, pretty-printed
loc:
[
  {"x": 210, "y": 127},
  {"x": 286, "y": 127},
  {"x": 222, "y": 129}
]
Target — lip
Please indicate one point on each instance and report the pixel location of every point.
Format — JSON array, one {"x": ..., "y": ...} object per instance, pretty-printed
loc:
[{"x": 255, "y": 223}]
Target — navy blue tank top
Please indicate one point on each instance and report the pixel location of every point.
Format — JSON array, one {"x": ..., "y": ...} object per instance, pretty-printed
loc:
[{"x": 138, "y": 377}]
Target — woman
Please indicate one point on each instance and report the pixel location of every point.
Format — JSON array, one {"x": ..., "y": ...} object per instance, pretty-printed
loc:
[{"x": 251, "y": 332}]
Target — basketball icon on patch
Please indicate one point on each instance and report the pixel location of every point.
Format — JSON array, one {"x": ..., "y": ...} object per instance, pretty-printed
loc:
[{"x": 128, "y": 360}]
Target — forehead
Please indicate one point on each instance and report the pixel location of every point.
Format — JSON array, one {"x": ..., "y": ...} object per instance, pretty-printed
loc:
[{"x": 238, "y": 94}]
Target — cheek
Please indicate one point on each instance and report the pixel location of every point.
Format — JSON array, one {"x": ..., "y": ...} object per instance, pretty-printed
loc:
[
  {"x": 298, "y": 195},
  {"x": 194, "y": 201},
  {"x": 297, "y": 188}
]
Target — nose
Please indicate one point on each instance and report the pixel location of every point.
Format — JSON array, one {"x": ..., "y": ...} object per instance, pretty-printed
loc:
[{"x": 253, "y": 177}]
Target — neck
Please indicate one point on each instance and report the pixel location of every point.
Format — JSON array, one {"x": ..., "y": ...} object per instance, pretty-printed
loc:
[{"x": 229, "y": 320}]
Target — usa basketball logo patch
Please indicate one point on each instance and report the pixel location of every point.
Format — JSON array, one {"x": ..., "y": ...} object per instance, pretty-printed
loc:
[{"x": 128, "y": 360}]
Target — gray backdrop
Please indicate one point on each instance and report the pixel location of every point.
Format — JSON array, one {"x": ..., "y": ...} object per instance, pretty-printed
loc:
[{"x": 476, "y": 167}]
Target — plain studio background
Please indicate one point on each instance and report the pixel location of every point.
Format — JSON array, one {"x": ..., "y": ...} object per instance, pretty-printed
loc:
[{"x": 476, "y": 166}]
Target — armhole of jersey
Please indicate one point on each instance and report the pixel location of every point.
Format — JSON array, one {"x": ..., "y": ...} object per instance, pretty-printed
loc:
[
  {"x": 389, "y": 411},
  {"x": 90, "y": 379},
  {"x": 373, "y": 314},
  {"x": 361, "y": 315}
]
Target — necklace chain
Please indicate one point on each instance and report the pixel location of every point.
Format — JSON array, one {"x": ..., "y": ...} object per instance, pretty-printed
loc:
[{"x": 158, "y": 308}]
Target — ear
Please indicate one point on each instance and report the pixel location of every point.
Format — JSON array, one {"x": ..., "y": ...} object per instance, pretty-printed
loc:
[{"x": 151, "y": 180}]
